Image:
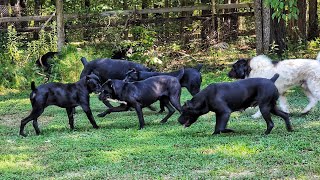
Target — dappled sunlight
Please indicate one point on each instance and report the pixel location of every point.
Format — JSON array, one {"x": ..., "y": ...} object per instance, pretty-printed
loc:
[
  {"x": 6, "y": 92},
  {"x": 312, "y": 124},
  {"x": 19, "y": 162},
  {"x": 234, "y": 150},
  {"x": 15, "y": 102}
]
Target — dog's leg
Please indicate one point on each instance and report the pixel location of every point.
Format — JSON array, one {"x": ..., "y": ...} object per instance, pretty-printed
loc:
[
  {"x": 284, "y": 116},
  {"x": 107, "y": 103},
  {"x": 283, "y": 103},
  {"x": 312, "y": 101},
  {"x": 175, "y": 101},
  {"x": 171, "y": 110},
  {"x": 140, "y": 115},
  {"x": 152, "y": 108},
  {"x": 222, "y": 119},
  {"x": 265, "y": 111},
  {"x": 161, "y": 107},
  {"x": 121, "y": 108},
  {"x": 35, "y": 113},
  {"x": 88, "y": 112},
  {"x": 35, "y": 126},
  {"x": 70, "y": 116}
]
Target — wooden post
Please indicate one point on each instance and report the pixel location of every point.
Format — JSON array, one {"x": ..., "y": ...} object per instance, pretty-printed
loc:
[
  {"x": 266, "y": 20},
  {"x": 259, "y": 27},
  {"x": 214, "y": 19},
  {"x": 60, "y": 24}
]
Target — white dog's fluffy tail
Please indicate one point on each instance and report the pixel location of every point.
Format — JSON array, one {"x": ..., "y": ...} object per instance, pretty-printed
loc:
[{"x": 318, "y": 57}]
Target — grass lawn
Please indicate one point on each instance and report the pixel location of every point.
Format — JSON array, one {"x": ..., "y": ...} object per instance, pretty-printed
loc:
[{"x": 160, "y": 151}]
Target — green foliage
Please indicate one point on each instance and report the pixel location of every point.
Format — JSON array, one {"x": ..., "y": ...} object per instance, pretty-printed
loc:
[
  {"x": 143, "y": 45},
  {"x": 18, "y": 61},
  {"x": 283, "y": 9}
]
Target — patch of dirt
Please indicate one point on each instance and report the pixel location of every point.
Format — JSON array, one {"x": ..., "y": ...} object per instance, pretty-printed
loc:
[{"x": 13, "y": 120}]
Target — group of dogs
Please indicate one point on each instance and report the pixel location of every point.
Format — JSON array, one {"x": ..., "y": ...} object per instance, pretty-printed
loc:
[{"x": 262, "y": 82}]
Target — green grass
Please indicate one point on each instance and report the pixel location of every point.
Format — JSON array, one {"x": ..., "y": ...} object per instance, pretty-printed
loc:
[{"x": 160, "y": 151}]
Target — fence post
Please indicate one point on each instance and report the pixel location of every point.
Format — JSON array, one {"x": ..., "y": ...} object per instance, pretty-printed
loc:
[
  {"x": 60, "y": 24},
  {"x": 263, "y": 23},
  {"x": 214, "y": 18}
]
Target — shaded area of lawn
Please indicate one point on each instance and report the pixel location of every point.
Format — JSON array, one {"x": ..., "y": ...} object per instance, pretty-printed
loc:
[{"x": 167, "y": 151}]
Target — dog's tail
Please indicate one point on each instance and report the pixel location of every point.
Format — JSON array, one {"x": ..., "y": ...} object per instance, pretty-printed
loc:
[
  {"x": 275, "y": 77},
  {"x": 198, "y": 67},
  {"x": 318, "y": 57},
  {"x": 181, "y": 73},
  {"x": 84, "y": 61},
  {"x": 33, "y": 86}
]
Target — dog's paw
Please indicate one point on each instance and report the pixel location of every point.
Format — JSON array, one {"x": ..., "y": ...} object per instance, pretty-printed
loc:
[
  {"x": 227, "y": 131},
  {"x": 23, "y": 135},
  {"x": 163, "y": 121},
  {"x": 96, "y": 127}
]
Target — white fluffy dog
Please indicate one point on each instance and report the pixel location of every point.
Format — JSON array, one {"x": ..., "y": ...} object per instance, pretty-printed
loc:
[{"x": 293, "y": 72}]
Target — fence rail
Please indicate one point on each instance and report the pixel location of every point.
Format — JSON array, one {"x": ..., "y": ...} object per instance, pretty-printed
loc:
[{"x": 129, "y": 12}]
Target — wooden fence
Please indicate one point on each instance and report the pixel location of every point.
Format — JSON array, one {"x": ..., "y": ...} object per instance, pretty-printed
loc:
[{"x": 246, "y": 10}]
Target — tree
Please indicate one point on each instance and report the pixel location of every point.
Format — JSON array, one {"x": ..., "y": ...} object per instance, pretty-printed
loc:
[{"x": 313, "y": 30}]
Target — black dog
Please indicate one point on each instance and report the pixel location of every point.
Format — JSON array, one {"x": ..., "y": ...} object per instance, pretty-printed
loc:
[
  {"x": 109, "y": 69},
  {"x": 141, "y": 94},
  {"x": 225, "y": 98},
  {"x": 43, "y": 60},
  {"x": 63, "y": 95},
  {"x": 191, "y": 78},
  {"x": 134, "y": 75}
]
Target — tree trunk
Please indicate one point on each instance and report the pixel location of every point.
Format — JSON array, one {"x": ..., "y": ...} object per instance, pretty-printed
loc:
[
  {"x": 313, "y": 30},
  {"x": 278, "y": 34},
  {"x": 37, "y": 6},
  {"x": 185, "y": 36},
  {"x": 86, "y": 33},
  {"x": 205, "y": 25},
  {"x": 302, "y": 21},
  {"x": 60, "y": 24},
  {"x": 125, "y": 32},
  {"x": 166, "y": 15},
  {"x": 263, "y": 26},
  {"x": 145, "y": 5},
  {"x": 297, "y": 28}
]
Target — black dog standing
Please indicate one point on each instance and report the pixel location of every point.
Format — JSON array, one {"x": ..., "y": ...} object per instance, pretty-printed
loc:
[
  {"x": 225, "y": 98},
  {"x": 63, "y": 95},
  {"x": 109, "y": 69},
  {"x": 141, "y": 94}
]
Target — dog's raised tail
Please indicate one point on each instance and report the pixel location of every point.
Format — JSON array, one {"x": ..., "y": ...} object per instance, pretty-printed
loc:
[
  {"x": 181, "y": 73},
  {"x": 198, "y": 67},
  {"x": 318, "y": 56},
  {"x": 33, "y": 86},
  {"x": 275, "y": 77},
  {"x": 84, "y": 61}
]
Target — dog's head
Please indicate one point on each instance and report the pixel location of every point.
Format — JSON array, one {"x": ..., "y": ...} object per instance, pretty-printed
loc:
[
  {"x": 93, "y": 83},
  {"x": 132, "y": 75},
  {"x": 189, "y": 115},
  {"x": 107, "y": 90},
  {"x": 240, "y": 69}
]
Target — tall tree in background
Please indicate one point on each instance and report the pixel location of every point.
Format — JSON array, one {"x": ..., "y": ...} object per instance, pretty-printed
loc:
[
  {"x": 145, "y": 5},
  {"x": 313, "y": 30},
  {"x": 184, "y": 34},
  {"x": 205, "y": 24},
  {"x": 37, "y": 7}
]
